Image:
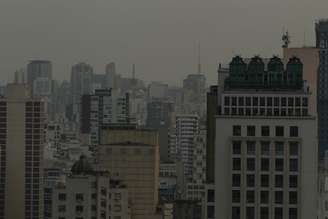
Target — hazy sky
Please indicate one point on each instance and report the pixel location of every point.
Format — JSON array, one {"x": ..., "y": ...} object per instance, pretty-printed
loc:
[{"x": 159, "y": 36}]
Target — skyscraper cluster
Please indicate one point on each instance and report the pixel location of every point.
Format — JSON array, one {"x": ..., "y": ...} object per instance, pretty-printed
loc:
[{"x": 251, "y": 146}]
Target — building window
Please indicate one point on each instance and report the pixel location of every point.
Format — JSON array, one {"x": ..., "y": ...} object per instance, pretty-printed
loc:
[
  {"x": 293, "y": 165},
  {"x": 269, "y": 101},
  {"x": 279, "y": 181},
  {"x": 290, "y": 101},
  {"x": 210, "y": 194},
  {"x": 305, "y": 101},
  {"x": 236, "y": 147},
  {"x": 235, "y": 196},
  {"x": 250, "y": 196},
  {"x": 283, "y": 101},
  {"x": 235, "y": 213},
  {"x": 298, "y": 101},
  {"x": 293, "y": 181},
  {"x": 248, "y": 101},
  {"x": 250, "y": 130},
  {"x": 79, "y": 197},
  {"x": 264, "y": 197},
  {"x": 79, "y": 208},
  {"x": 265, "y": 181},
  {"x": 279, "y": 131},
  {"x": 279, "y": 196},
  {"x": 293, "y": 148},
  {"x": 236, "y": 180},
  {"x": 62, "y": 208},
  {"x": 250, "y": 180},
  {"x": 250, "y": 213},
  {"x": 279, "y": 164},
  {"x": 236, "y": 164},
  {"x": 250, "y": 164},
  {"x": 293, "y": 213},
  {"x": 251, "y": 147},
  {"x": 276, "y": 101},
  {"x": 265, "y": 164},
  {"x": 293, "y": 198},
  {"x": 255, "y": 101},
  {"x": 293, "y": 131},
  {"x": 236, "y": 130},
  {"x": 226, "y": 101},
  {"x": 234, "y": 101},
  {"x": 278, "y": 213},
  {"x": 62, "y": 197},
  {"x": 265, "y": 131},
  {"x": 262, "y": 101},
  {"x": 264, "y": 213},
  {"x": 241, "y": 101},
  {"x": 279, "y": 148},
  {"x": 265, "y": 148}
]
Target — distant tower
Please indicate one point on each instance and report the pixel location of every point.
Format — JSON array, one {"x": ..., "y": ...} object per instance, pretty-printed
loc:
[
  {"x": 285, "y": 40},
  {"x": 199, "y": 69},
  {"x": 133, "y": 71}
]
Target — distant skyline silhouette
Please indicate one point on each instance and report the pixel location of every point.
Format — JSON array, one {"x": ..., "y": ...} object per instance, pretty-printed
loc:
[{"x": 159, "y": 36}]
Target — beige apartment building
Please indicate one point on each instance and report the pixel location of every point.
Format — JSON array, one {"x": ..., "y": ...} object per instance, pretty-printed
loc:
[
  {"x": 22, "y": 121},
  {"x": 309, "y": 56},
  {"x": 132, "y": 155}
]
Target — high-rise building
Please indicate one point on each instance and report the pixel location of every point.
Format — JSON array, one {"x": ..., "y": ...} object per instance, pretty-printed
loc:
[
  {"x": 101, "y": 109},
  {"x": 22, "y": 124},
  {"x": 157, "y": 90},
  {"x": 38, "y": 69},
  {"x": 194, "y": 94},
  {"x": 160, "y": 117},
  {"x": 266, "y": 138},
  {"x": 111, "y": 76},
  {"x": 321, "y": 28},
  {"x": 81, "y": 80},
  {"x": 187, "y": 126},
  {"x": 81, "y": 83},
  {"x": 213, "y": 109},
  {"x": 132, "y": 155}
]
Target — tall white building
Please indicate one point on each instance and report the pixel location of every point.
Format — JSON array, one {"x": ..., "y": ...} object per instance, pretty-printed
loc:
[
  {"x": 266, "y": 143},
  {"x": 186, "y": 127},
  {"x": 22, "y": 124},
  {"x": 102, "y": 109}
]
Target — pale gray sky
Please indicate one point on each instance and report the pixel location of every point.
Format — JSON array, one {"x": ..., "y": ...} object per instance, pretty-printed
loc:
[{"x": 159, "y": 36}]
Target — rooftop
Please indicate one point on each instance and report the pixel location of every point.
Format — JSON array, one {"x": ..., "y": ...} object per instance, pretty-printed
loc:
[{"x": 269, "y": 75}]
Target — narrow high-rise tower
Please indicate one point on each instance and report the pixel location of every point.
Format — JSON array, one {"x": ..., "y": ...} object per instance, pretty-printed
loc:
[{"x": 22, "y": 121}]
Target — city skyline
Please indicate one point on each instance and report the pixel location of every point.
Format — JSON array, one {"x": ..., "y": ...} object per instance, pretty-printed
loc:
[{"x": 161, "y": 38}]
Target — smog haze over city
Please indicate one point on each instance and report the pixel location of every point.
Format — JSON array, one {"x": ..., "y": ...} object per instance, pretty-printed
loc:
[
  {"x": 163, "y": 109},
  {"x": 159, "y": 36}
]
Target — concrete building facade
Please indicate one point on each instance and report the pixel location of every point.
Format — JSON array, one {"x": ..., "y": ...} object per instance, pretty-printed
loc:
[
  {"x": 22, "y": 128},
  {"x": 266, "y": 137},
  {"x": 132, "y": 155}
]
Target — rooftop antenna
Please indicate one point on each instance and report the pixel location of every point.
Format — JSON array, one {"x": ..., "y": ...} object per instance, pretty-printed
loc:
[
  {"x": 304, "y": 44},
  {"x": 199, "y": 66},
  {"x": 285, "y": 39}
]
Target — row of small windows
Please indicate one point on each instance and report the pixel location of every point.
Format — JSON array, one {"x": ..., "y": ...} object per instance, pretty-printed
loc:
[
  {"x": 266, "y": 112},
  {"x": 265, "y": 131},
  {"x": 264, "y": 181},
  {"x": 265, "y": 148},
  {"x": 264, "y": 213},
  {"x": 251, "y": 164},
  {"x": 264, "y": 197},
  {"x": 266, "y": 101}
]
